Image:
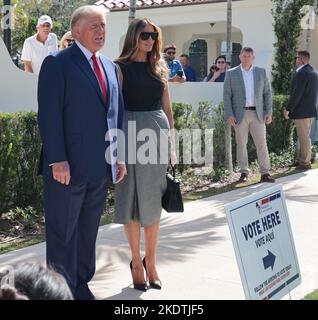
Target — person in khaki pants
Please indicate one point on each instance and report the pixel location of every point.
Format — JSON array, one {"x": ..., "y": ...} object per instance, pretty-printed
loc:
[
  {"x": 302, "y": 105},
  {"x": 248, "y": 108}
]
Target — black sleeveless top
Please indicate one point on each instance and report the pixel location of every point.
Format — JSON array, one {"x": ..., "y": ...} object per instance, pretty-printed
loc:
[{"x": 141, "y": 90}]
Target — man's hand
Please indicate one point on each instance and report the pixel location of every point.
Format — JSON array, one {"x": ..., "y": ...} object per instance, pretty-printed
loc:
[
  {"x": 121, "y": 172},
  {"x": 177, "y": 79},
  {"x": 268, "y": 119},
  {"x": 231, "y": 121},
  {"x": 286, "y": 114},
  {"x": 61, "y": 172}
]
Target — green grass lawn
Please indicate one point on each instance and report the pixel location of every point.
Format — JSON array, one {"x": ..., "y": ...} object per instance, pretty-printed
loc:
[
  {"x": 10, "y": 246},
  {"x": 312, "y": 296},
  {"x": 191, "y": 196}
]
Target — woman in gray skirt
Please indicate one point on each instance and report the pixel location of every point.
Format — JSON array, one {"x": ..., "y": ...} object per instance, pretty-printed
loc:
[{"x": 147, "y": 120}]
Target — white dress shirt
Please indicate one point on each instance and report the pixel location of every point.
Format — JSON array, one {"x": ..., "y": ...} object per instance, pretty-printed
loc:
[
  {"x": 299, "y": 68},
  {"x": 35, "y": 51},
  {"x": 89, "y": 56},
  {"x": 248, "y": 78}
]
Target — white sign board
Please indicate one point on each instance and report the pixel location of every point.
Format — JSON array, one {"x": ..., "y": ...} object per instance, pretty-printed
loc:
[{"x": 263, "y": 244}]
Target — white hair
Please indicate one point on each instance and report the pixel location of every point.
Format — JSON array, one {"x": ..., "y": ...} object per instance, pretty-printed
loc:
[{"x": 85, "y": 11}]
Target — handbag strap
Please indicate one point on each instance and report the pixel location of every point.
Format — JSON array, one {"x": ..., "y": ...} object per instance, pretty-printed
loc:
[{"x": 173, "y": 168}]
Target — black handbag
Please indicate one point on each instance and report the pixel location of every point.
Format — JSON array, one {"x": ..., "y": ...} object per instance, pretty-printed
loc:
[{"x": 172, "y": 198}]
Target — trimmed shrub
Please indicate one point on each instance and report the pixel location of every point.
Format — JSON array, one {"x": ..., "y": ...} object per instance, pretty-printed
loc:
[
  {"x": 280, "y": 134},
  {"x": 19, "y": 152},
  {"x": 20, "y": 144}
]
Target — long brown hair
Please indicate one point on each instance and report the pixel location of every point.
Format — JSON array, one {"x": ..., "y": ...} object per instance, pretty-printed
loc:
[{"x": 156, "y": 65}]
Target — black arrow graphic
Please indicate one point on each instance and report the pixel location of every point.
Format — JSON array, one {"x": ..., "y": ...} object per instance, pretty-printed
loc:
[{"x": 269, "y": 260}]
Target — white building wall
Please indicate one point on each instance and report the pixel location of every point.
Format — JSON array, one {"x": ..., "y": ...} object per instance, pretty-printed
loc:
[
  {"x": 180, "y": 24},
  {"x": 18, "y": 89}
]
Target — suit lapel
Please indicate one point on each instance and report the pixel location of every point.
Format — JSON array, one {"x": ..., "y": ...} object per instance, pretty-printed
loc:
[
  {"x": 107, "y": 77},
  {"x": 255, "y": 79},
  {"x": 241, "y": 81},
  {"x": 84, "y": 65}
]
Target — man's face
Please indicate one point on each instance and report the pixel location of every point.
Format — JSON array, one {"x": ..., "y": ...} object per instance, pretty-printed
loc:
[
  {"x": 299, "y": 61},
  {"x": 246, "y": 58},
  {"x": 44, "y": 29},
  {"x": 171, "y": 54},
  {"x": 184, "y": 62},
  {"x": 90, "y": 32}
]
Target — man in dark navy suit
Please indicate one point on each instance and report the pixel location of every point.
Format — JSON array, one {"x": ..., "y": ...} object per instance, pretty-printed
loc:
[
  {"x": 302, "y": 105},
  {"x": 79, "y": 103}
]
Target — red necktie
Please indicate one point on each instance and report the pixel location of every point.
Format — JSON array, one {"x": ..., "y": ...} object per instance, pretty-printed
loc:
[{"x": 100, "y": 77}]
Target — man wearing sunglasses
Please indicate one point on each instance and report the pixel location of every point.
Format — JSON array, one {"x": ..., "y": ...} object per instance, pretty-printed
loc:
[
  {"x": 302, "y": 105},
  {"x": 176, "y": 72}
]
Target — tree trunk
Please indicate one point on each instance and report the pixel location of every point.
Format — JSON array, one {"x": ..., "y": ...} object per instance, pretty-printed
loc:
[
  {"x": 309, "y": 29},
  {"x": 228, "y": 141},
  {"x": 132, "y": 10}
]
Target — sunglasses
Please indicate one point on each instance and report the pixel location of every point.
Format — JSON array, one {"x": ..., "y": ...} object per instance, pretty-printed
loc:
[
  {"x": 171, "y": 52},
  {"x": 221, "y": 62},
  {"x": 69, "y": 40},
  {"x": 145, "y": 35}
]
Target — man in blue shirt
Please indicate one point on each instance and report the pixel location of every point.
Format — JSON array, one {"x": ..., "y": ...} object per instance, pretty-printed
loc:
[
  {"x": 176, "y": 73},
  {"x": 188, "y": 70}
]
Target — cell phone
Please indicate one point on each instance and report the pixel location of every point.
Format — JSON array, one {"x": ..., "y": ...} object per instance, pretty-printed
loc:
[{"x": 179, "y": 73}]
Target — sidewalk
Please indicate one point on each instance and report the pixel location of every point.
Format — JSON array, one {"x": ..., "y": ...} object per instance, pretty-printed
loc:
[{"x": 196, "y": 259}]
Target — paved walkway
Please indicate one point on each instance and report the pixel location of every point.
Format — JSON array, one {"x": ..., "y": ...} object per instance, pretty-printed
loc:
[{"x": 196, "y": 259}]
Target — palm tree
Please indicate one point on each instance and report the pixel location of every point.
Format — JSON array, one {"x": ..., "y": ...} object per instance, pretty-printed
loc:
[
  {"x": 228, "y": 129},
  {"x": 132, "y": 10}
]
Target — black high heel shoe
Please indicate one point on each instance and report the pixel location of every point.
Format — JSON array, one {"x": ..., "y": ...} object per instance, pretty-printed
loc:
[
  {"x": 138, "y": 286},
  {"x": 155, "y": 284}
]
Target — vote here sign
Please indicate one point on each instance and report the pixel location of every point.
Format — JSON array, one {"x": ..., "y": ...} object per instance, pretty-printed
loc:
[{"x": 263, "y": 244}]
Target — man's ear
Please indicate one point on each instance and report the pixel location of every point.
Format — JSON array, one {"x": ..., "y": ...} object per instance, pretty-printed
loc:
[{"x": 76, "y": 32}]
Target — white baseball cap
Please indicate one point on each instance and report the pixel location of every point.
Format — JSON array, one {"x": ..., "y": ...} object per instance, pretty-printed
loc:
[{"x": 44, "y": 19}]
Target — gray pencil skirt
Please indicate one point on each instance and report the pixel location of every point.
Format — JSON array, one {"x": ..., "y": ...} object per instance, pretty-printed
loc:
[{"x": 138, "y": 195}]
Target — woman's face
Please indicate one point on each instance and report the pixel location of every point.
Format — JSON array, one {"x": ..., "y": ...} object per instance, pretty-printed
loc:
[
  {"x": 145, "y": 40},
  {"x": 68, "y": 42},
  {"x": 221, "y": 64}
]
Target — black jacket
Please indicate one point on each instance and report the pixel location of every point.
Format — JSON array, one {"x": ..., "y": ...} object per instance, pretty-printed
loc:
[{"x": 304, "y": 94}]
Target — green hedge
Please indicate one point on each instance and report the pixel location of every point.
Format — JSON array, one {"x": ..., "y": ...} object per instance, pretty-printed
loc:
[
  {"x": 280, "y": 133},
  {"x": 19, "y": 151},
  {"x": 20, "y": 147}
]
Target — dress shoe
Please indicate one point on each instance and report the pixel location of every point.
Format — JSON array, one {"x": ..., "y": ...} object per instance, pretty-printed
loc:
[
  {"x": 267, "y": 178},
  {"x": 138, "y": 286},
  {"x": 83, "y": 293},
  {"x": 243, "y": 178},
  {"x": 154, "y": 284},
  {"x": 304, "y": 166}
]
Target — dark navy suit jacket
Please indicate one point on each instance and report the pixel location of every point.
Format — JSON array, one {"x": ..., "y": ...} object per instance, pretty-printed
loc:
[
  {"x": 73, "y": 118},
  {"x": 303, "y": 99}
]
